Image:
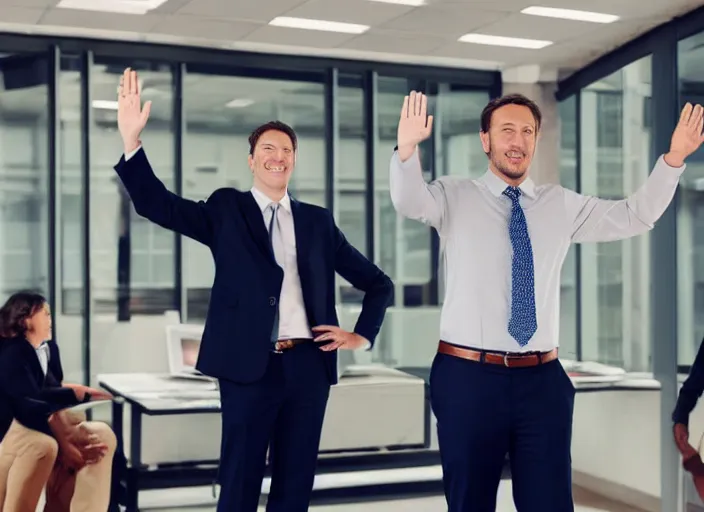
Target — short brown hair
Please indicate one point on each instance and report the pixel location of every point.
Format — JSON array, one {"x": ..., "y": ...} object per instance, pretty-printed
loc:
[
  {"x": 18, "y": 308},
  {"x": 509, "y": 99},
  {"x": 272, "y": 125}
]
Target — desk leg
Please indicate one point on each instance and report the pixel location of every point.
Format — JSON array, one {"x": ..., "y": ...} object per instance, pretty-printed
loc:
[
  {"x": 118, "y": 410},
  {"x": 135, "y": 460}
]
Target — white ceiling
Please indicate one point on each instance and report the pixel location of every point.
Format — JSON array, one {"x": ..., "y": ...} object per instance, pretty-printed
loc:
[{"x": 399, "y": 33}]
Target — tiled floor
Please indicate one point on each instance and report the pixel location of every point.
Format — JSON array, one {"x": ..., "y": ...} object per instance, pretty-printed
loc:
[{"x": 158, "y": 501}]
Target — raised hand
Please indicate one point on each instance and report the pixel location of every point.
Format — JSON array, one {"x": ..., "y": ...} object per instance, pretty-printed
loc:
[
  {"x": 131, "y": 117},
  {"x": 415, "y": 124},
  {"x": 687, "y": 136}
]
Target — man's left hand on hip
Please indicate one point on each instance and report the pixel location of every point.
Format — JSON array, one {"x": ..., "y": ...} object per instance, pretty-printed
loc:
[{"x": 338, "y": 338}]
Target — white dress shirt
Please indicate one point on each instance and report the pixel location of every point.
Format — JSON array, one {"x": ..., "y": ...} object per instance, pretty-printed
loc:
[
  {"x": 43, "y": 356},
  {"x": 293, "y": 321},
  {"x": 471, "y": 217}
]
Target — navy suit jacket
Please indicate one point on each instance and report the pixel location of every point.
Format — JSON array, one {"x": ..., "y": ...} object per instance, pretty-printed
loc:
[
  {"x": 244, "y": 298},
  {"x": 691, "y": 389},
  {"x": 26, "y": 394}
]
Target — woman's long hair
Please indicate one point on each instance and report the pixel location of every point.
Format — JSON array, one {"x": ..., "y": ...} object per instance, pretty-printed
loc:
[{"x": 15, "y": 312}]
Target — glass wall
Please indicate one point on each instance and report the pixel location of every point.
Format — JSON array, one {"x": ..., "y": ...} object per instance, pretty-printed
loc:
[
  {"x": 69, "y": 314},
  {"x": 133, "y": 275},
  {"x": 24, "y": 176},
  {"x": 615, "y": 161},
  {"x": 690, "y": 212},
  {"x": 115, "y": 279}
]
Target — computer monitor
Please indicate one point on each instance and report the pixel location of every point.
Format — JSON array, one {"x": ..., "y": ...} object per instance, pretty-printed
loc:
[{"x": 183, "y": 344}]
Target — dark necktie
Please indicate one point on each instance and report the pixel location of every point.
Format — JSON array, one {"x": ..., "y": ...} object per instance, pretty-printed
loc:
[
  {"x": 277, "y": 248},
  {"x": 523, "y": 323}
]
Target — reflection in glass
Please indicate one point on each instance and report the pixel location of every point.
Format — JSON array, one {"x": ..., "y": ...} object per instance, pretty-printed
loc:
[
  {"x": 220, "y": 113},
  {"x": 132, "y": 259},
  {"x": 24, "y": 185},
  {"x": 68, "y": 310},
  {"x": 460, "y": 151},
  {"x": 616, "y": 160},
  {"x": 690, "y": 213},
  {"x": 350, "y": 177},
  {"x": 402, "y": 245}
]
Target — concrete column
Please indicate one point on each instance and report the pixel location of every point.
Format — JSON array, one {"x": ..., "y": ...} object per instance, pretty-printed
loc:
[{"x": 531, "y": 82}]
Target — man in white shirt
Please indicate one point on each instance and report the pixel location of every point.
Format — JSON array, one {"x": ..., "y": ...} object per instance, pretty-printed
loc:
[{"x": 496, "y": 384}]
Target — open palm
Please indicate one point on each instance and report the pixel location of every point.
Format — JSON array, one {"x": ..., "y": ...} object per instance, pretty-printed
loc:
[
  {"x": 131, "y": 117},
  {"x": 415, "y": 125},
  {"x": 687, "y": 137}
]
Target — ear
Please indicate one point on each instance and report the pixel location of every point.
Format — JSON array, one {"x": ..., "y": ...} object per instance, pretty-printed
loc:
[
  {"x": 250, "y": 161},
  {"x": 486, "y": 141}
]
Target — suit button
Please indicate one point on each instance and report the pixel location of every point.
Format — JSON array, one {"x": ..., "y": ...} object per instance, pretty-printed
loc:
[{"x": 272, "y": 301}]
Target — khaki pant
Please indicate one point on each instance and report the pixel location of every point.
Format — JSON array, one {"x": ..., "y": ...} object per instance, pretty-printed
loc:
[{"x": 28, "y": 464}]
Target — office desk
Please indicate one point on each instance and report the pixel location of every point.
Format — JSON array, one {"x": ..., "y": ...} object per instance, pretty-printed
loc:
[
  {"x": 159, "y": 395},
  {"x": 391, "y": 404}
]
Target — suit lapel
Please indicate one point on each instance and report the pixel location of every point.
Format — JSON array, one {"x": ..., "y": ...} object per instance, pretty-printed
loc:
[
  {"x": 303, "y": 230},
  {"x": 33, "y": 359},
  {"x": 255, "y": 222}
]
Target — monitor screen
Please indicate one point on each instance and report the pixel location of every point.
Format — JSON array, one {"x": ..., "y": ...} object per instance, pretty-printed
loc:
[{"x": 189, "y": 351}]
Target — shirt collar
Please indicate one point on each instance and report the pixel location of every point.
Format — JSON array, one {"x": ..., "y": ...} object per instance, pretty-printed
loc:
[
  {"x": 264, "y": 201},
  {"x": 497, "y": 186}
]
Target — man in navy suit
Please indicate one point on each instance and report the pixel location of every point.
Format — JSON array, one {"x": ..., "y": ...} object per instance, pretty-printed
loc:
[{"x": 275, "y": 264}]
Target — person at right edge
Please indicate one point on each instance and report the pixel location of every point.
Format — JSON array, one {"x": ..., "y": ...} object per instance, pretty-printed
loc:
[
  {"x": 687, "y": 399},
  {"x": 496, "y": 383}
]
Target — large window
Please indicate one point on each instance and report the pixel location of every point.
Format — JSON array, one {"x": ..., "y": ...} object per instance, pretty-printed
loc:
[
  {"x": 690, "y": 213},
  {"x": 133, "y": 275},
  {"x": 24, "y": 176},
  {"x": 68, "y": 310},
  {"x": 615, "y": 161},
  {"x": 220, "y": 113},
  {"x": 349, "y": 180},
  {"x": 116, "y": 280}
]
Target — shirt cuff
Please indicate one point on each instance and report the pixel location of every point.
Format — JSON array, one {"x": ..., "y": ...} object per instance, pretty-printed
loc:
[
  {"x": 411, "y": 163},
  {"x": 132, "y": 153}
]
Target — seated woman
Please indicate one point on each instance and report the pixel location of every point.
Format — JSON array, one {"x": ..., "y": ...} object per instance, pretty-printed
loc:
[{"x": 44, "y": 443}]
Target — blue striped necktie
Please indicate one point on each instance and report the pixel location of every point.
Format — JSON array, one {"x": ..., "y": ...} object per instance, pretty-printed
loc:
[{"x": 523, "y": 323}]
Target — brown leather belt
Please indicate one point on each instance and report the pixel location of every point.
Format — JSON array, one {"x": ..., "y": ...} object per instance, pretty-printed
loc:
[
  {"x": 507, "y": 359},
  {"x": 282, "y": 345}
]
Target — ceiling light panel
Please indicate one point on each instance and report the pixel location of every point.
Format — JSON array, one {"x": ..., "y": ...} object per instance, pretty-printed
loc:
[
  {"x": 512, "y": 42},
  {"x": 321, "y": 25},
  {"x": 118, "y": 6},
  {"x": 570, "y": 14}
]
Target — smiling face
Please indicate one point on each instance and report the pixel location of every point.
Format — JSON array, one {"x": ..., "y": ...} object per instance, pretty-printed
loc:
[
  {"x": 272, "y": 161},
  {"x": 510, "y": 142},
  {"x": 39, "y": 324}
]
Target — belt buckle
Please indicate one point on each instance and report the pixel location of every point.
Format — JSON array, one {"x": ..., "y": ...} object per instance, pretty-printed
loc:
[
  {"x": 282, "y": 345},
  {"x": 506, "y": 356}
]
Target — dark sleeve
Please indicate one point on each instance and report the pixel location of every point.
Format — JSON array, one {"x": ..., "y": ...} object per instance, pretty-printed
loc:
[
  {"x": 691, "y": 390},
  {"x": 55, "y": 361},
  {"x": 30, "y": 404},
  {"x": 154, "y": 202},
  {"x": 367, "y": 277}
]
